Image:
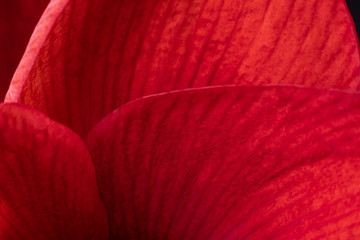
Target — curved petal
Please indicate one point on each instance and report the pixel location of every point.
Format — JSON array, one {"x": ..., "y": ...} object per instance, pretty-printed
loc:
[
  {"x": 89, "y": 57},
  {"x": 355, "y": 12},
  {"x": 17, "y": 21},
  {"x": 232, "y": 163},
  {"x": 47, "y": 181}
]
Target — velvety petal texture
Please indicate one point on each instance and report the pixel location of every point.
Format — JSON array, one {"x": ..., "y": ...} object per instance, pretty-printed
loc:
[
  {"x": 47, "y": 180},
  {"x": 86, "y": 58},
  {"x": 271, "y": 162},
  {"x": 17, "y": 21}
]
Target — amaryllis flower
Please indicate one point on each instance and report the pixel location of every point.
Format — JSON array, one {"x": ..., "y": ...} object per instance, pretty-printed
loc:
[{"x": 193, "y": 119}]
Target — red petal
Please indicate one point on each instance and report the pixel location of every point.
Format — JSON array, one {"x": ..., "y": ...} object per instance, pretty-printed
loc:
[
  {"x": 47, "y": 181},
  {"x": 232, "y": 163},
  {"x": 89, "y": 57},
  {"x": 17, "y": 21}
]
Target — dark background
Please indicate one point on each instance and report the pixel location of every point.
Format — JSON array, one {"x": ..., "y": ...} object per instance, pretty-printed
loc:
[{"x": 354, "y": 6}]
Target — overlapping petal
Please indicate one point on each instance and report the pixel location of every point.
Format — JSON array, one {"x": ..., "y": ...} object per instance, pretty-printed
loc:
[
  {"x": 47, "y": 180},
  {"x": 17, "y": 21},
  {"x": 192, "y": 164},
  {"x": 86, "y": 58},
  {"x": 271, "y": 162}
]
